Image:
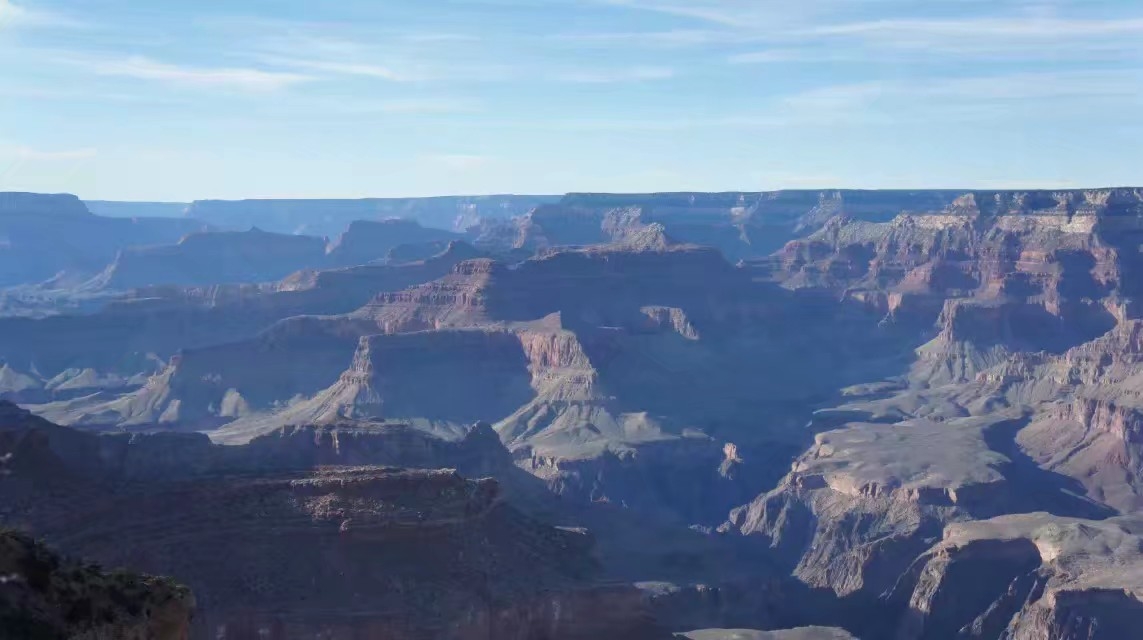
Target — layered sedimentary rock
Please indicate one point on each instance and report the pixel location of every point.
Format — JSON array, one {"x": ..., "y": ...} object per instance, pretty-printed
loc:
[
  {"x": 331, "y": 217},
  {"x": 117, "y": 209},
  {"x": 277, "y": 549},
  {"x": 45, "y": 596},
  {"x": 740, "y": 225},
  {"x": 868, "y": 499},
  {"x": 1021, "y": 400},
  {"x": 367, "y": 241},
  {"x": 1027, "y": 576},
  {"x": 44, "y": 235},
  {"x": 935, "y": 358},
  {"x": 154, "y": 324},
  {"x": 213, "y": 258},
  {"x": 594, "y": 365},
  {"x": 1001, "y": 272},
  {"x": 1086, "y": 403}
]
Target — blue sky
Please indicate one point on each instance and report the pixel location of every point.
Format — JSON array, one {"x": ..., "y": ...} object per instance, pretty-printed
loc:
[{"x": 119, "y": 99}]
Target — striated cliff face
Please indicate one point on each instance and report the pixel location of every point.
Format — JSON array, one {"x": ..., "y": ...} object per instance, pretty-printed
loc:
[
  {"x": 278, "y": 544},
  {"x": 366, "y": 551},
  {"x": 740, "y": 225},
  {"x": 860, "y": 505},
  {"x": 331, "y": 217},
  {"x": 998, "y": 272},
  {"x": 401, "y": 377},
  {"x": 213, "y": 258},
  {"x": 367, "y": 241},
  {"x": 928, "y": 370},
  {"x": 856, "y": 511},
  {"x": 45, "y": 596},
  {"x": 1087, "y": 419},
  {"x": 220, "y": 370},
  {"x": 595, "y": 365},
  {"x": 1027, "y": 576},
  {"x": 42, "y": 236},
  {"x": 905, "y": 519}
]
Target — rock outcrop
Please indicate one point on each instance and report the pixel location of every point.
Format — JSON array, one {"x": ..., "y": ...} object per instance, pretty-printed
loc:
[
  {"x": 999, "y": 272},
  {"x": 368, "y": 241},
  {"x": 1027, "y": 576},
  {"x": 740, "y": 225},
  {"x": 858, "y": 509},
  {"x": 45, "y": 596},
  {"x": 277, "y": 547},
  {"x": 220, "y": 257},
  {"x": 156, "y": 323}
]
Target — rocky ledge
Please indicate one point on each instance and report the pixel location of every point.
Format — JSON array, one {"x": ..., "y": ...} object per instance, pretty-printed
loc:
[{"x": 43, "y": 596}]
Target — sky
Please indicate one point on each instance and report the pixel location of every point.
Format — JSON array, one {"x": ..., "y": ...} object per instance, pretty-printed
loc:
[{"x": 180, "y": 100}]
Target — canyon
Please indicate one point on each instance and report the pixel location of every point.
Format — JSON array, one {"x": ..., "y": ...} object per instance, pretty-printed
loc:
[{"x": 803, "y": 414}]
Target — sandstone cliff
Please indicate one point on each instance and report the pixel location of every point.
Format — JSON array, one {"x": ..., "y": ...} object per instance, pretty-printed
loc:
[
  {"x": 1027, "y": 576},
  {"x": 219, "y": 257},
  {"x": 368, "y": 241}
]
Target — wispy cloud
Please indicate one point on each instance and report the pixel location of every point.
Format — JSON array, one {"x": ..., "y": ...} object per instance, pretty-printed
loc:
[
  {"x": 609, "y": 76},
  {"x": 733, "y": 13},
  {"x": 19, "y": 16},
  {"x": 1057, "y": 96},
  {"x": 245, "y": 79},
  {"x": 865, "y": 30},
  {"x": 347, "y": 68},
  {"x": 969, "y": 97},
  {"x": 401, "y": 58},
  {"x": 673, "y": 38},
  {"x": 758, "y": 15},
  {"x": 400, "y": 106},
  {"x": 980, "y": 28}
]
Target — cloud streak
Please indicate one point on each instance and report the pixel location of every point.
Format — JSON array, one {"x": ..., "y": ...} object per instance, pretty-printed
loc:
[
  {"x": 142, "y": 68},
  {"x": 819, "y": 31},
  {"x": 346, "y": 68},
  {"x": 19, "y": 16},
  {"x": 615, "y": 76}
]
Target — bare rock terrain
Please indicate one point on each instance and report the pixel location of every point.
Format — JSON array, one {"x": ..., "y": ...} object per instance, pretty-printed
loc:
[
  {"x": 45, "y": 596},
  {"x": 909, "y": 415}
]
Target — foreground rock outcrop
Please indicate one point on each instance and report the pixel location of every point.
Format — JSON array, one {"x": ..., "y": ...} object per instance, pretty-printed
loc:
[
  {"x": 277, "y": 547},
  {"x": 45, "y": 596}
]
